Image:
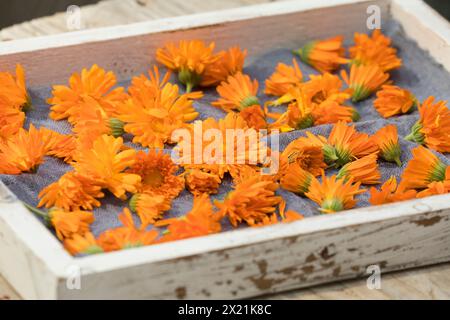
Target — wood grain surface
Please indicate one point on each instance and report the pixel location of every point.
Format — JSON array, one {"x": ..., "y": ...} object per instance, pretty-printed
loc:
[{"x": 425, "y": 283}]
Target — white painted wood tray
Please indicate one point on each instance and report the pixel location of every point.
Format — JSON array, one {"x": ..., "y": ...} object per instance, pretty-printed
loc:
[{"x": 242, "y": 263}]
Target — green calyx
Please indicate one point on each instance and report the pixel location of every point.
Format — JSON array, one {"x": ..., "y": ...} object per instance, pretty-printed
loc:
[
  {"x": 332, "y": 205},
  {"x": 189, "y": 78},
  {"x": 438, "y": 172},
  {"x": 392, "y": 154},
  {"x": 94, "y": 249},
  {"x": 360, "y": 93},
  {"x": 133, "y": 202},
  {"x": 306, "y": 122},
  {"x": 116, "y": 127},
  {"x": 27, "y": 106},
  {"x": 248, "y": 102},
  {"x": 304, "y": 188},
  {"x": 355, "y": 115},
  {"x": 416, "y": 135},
  {"x": 343, "y": 173},
  {"x": 305, "y": 51},
  {"x": 330, "y": 154},
  {"x": 336, "y": 157}
]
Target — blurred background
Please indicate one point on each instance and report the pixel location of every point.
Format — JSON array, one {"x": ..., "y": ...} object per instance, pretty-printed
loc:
[{"x": 16, "y": 16}]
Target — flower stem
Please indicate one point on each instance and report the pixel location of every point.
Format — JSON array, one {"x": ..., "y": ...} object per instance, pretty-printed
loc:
[{"x": 35, "y": 210}]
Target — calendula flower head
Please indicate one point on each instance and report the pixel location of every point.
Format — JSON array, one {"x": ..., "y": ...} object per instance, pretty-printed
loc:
[
  {"x": 345, "y": 144},
  {"x": 149, "y": 207},
  {"x": 157, "y": 172},
  {"x": 325, "y": 87},
  {"x": 200, "y": 181},
  {"x": 387, "y": 141},
  {"x": 289, "y": 215},
  {"x": 333, "y": 194},
  {"x": 152, "y": 121},
  {"x": 190, "y": 59},
  {"x": 148, "y": 88},
  {"x": 82, "y": 244},
  {"x": 433, "y": 127},
  {"x": 59, "y": 145},
  {"x": 283, "y": 79},
  {"x": 296, "y": 179},
  {"x": 69, "y": 223},
  {"x": 251, "y": 201},
  {"x": 423, "y": 169},
  {"x": 71, "y": 192},
  {"x": 375, "y": 50},
  {"x": 364, "y": 80},
  {"x": 126, "y": 237},
  {"x": 11, "y": 119},
  {"x": 23, "y": 152},
  {"x": 332, "y": 112},
  {"x": 437, "y": 187},
  {"x": 324, "y": 55},
  {"x": 200, "y": 221},
  {"x": 13, "y": 88},
  {"x": 237, "y": 93},
  {"x": 393, "y": 100},
  {"x": 95, "y": 83},
  {"x": 389, "y": 193},
  {"x": 308, "y": 156},
  {"x": 229, "y": 63},
  {"x": 105, "y": 163},
  {"x": 364, "y": 170},
  {"x": 255, "y": 117}
]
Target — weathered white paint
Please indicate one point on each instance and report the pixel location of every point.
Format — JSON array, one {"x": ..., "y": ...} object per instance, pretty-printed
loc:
[{"x": 241, "y": 263}]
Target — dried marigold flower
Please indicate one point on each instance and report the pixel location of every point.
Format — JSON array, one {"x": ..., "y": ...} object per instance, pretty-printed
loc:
[
  {"x": 199, "y": 182},
  {"x": 387, "y": 141},
  {"x": 11, "y": 119},
  {"x": 433, "y": 127},
  {"x": 364, "y": 80},
  {"x": 59, "y": 145},
  {"x": 393, "y": 100},
  {"x": 364, "y": 170},
  {"x": 390, "y": 193},
  {"x": 255, "y": 117},
  {"x": 308, "y": 157},
  {"x": 323, "y": 55},
  {"x": 331, "y": 112},
  {"x": 13, "y": 88},
  {"x": 325, "y": 87},
  {"x": 149, "y": 207},
  {"x": 296, "y": 179},
  {"x": 283, "y": 79},
  {"x": 69, "y": 223},
  {"x": 82, "y": 244},
  {"x": 437, "y": 187}
]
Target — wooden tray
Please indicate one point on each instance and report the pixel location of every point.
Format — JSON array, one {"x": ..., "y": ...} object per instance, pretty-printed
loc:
[{"x": 241, "y": 263}]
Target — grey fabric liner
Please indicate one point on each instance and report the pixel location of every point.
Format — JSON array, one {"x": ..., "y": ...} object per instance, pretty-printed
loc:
[{"x": 420, "y": 73}]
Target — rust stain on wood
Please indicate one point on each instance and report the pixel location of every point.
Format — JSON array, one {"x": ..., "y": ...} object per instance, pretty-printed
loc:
[
  {"x": 427, "y": 222},
  {"x": 311, "y": 258},
  {"x": 308, "y": 269},
  {"x": 180, "y": 292},
  {"x": 325, "y": 254},
  {"x": 261, "y": 282}
]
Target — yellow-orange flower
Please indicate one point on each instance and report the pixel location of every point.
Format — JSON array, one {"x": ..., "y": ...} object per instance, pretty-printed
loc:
[
  {"x": 23, "y": 152},
  {"x": 331, "y": 112},
  {"x": 364, "y": 170},
  {"x": 126, "y": 237},
  {"x": 433, "y": 127},
  {"x": 67, "y": 223},
  {"x": 393, "y": 100},
  {"x": 390, "y": 193},
  {"x": 289, "y": 215},
  {"x": 375, "y": 50},
  {"x": 237, "y": 93},
  {"x": 296, "y": 179},
  {"x": 283, "y": 79},
  {"x": 105, "y": 164},
  {"x": 71, "y": 192},
  {"x": 200, "y": 181},
  {"x": 95, "y": 83},
  {"x": 437, "y": 187},
  {"x": 200, "y": 221},
  {"x": 251, "y": 201},
  {"x": 333, "y": 194},
  {"x": 59, "y": 145},
  {"x": 345, "y": 144},
  {"x": 323, "y": 55},
  {"x": 11, "y": 119},
  {"x": 308, "y": 157},
  {"x": 325, "y": 87},
  {"x": 364, "y": 80},
  {"x": 387, "y": 141},
  {"x": 423, "y": 169},
  {"x": 229, "y": 63},
  {"x": 254, "y": 116},
  {"x": 82, "y": 244},
  {"x": 157, "y": 172},
  {"x": 148, "y": 88},
  {"x": 149, "y": 207},
  {"x": 190, "y": 59},
  {"x": 13, "y": 88}
]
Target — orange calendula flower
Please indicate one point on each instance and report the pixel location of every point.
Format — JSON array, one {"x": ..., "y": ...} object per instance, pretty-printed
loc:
[
  {"x": 289, "y": 215},
  {"x": 323, "y": 55},
  {"x": 200, "y": 181},
  {"x": 13, "y": 88},
  {"x": 67, "y": 224},
  {"x": 423, "y": 169},
  {"x": 190, "y": 59},
  {"x": 59, "y": 145},
  {"x": 364, "y": 80},
  {"x": 325, "y": 87},
  {"x": 390, "y": 193},
  {"x": 437, "y": 187},
  {"x": 237, "y": 93},
  {"x": 200, "y": 221},
  {"x": 308, "y": 157},
  {"x": 82, "y": 244},
  {"x": 387, "y": 141},
  {"x": 375, "y": 50},
  {"x": 433, "y": 127},
  {"x": 23, "y": 152},
  {"x": 254, "y": 116},
  {"x": 252, "y": 200},
  {"x": 11, "y": 119},
  {"x": 149, "y": 207},
  {"x": 332, "y": 112},
  {"x": 105, "y": 164},
  {"x": 283, "y": 79},
  {"x": 95, "y": 83},
  {"x": 393, "y": 100},
  {"x": 296, "y": 179},
  {"x": 71, "y": 192},
  {"x": 157, "y": 172},
  {"x": 333, "y": 194},
  {"x": 126, "y": 237},
  {"x": 364, "y": 170},
  {"x": 345, "y": 144},
  {"x": 229, "y": 63},
  {"x": 148, "y": 88}
]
